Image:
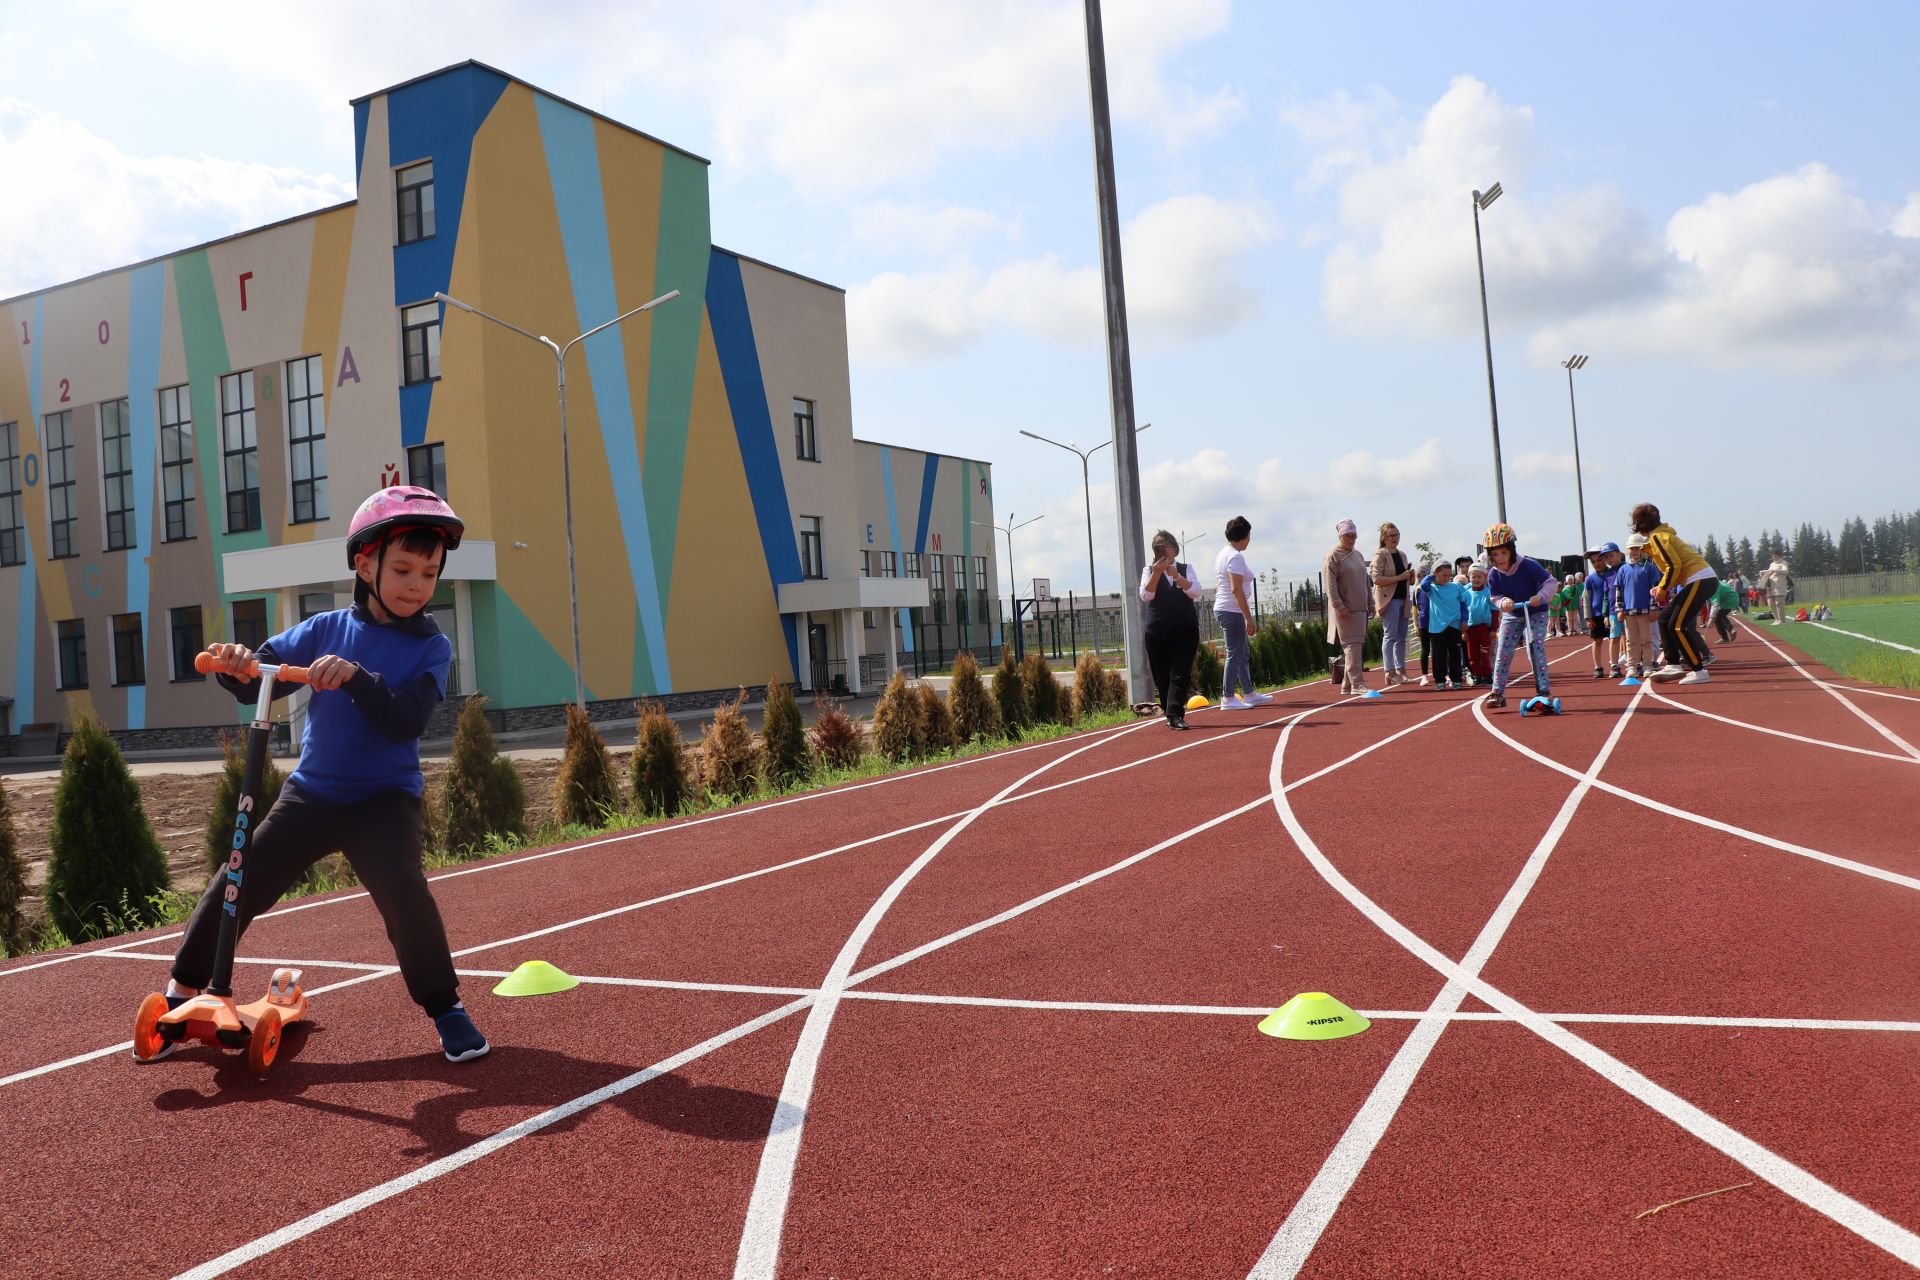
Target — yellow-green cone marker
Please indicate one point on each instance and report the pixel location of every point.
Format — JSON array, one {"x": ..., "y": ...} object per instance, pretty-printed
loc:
[
  {"x": 535, "y": 978},
  {"x": 1313, "y": 1015}
]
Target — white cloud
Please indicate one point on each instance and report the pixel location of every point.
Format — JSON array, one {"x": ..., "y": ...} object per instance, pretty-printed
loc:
[
  {"x": 1907, "y": 221},
  {"x": 90, "y": 206},
  {"x": 1362, "y": 474},
  {"x": 1184, "y": 276},
  {"x": 935, "y": 229},
  {"x": 1543, "y": 465}
]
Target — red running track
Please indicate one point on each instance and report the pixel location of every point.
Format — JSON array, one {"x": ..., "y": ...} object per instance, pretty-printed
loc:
[{"x": 1036, "y": 1053}]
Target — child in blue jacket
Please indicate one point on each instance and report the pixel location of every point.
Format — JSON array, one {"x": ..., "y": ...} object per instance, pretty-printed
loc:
[{"x": 1633, "y": 584}]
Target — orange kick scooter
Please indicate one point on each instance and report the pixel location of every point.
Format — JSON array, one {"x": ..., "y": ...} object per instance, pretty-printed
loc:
[{"x": 212, "y": 1017}]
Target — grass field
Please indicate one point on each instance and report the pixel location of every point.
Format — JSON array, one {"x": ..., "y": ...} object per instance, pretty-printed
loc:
[{"x": 1898, "y": 622}]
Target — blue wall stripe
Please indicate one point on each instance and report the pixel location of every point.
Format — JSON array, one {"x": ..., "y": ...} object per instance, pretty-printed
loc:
[
  {"x": 148, "y": 287},
  {"x": 26, "y": 625},
  {"x": 927, "y": 482},
  {"x": 434, "y": 120},
  {"x": 753, "y": 428},
  {"x": 573, "y": 166},
  {"x": 893, "y": 527}
]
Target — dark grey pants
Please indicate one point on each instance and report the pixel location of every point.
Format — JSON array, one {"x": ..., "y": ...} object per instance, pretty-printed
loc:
[{"x": 381, "y": 838}]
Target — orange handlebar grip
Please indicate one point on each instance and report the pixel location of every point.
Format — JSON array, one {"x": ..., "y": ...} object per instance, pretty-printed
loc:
[{"x": 205, "y": 664}]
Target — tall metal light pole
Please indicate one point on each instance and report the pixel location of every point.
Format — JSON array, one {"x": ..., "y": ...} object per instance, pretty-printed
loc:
[
  {"x": 1086, "y": 488},
  {"x": 1481, "y": 199},
  {"x": 566, "y": 461},
  {"x": 1126, "y": 458},
  {"x": 1570, "y": 364},
  {"x": 1008, "y": 529}
]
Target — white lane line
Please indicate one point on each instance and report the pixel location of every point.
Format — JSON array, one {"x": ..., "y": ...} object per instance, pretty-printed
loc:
[
  {"x": 1834, "y": 692},
  {"x": 1855, "y": 688},
  {"x": 71, "y": 956},
  {"x": 1781, "y": 733},
  {"x": 1782, "y": 1173},
  {"x": 1699, "y": 819},
  {"x": 1287, "y": 1252},
  {"x": 759, "y": 1253},
  {"x": 1905, "y": 648},
  {"x": 257, "y": 960},
  {"x": 126, "y": 1046},
  {"x": 662, "y": 984}
]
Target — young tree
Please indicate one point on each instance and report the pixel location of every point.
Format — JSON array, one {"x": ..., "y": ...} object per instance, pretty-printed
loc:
[
  {"x": 974, "y": 714},
  {"x": 226, "y": 797},
  {"x": 897, "y": 731},
  {"x": 107, "y": 865},
  {"x": 1043, "y": 692},
  {"x": 661, "y": 779},
  {"x": 483, "y": 793},
  {"x": 1010, "y": 695},
  {"x": 13, "y": 883},
  {"x": 936, "y": 721},
  {"x": 837, "y": 737},
  {"x": 726, "y": 751},
  {"x": 587, "y": 789},
  {"x": 783, "y": 739}
]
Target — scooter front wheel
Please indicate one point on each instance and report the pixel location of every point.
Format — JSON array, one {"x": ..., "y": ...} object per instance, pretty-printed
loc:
[
  {"x": 148, "y": 1043},
  {"x": 264, "y": 1045}
]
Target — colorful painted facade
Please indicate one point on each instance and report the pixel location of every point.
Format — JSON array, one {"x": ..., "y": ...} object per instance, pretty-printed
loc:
[{"x": 183, "y": 442}]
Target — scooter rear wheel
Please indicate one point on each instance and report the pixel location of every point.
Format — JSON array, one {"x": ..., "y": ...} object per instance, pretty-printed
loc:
[
  {"x": 148, "y": 1043},
  {"x": 264, "y": 1045}
]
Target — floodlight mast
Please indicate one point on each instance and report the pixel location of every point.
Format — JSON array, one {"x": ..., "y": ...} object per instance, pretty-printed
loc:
[{"x": 1481, "y": 199}]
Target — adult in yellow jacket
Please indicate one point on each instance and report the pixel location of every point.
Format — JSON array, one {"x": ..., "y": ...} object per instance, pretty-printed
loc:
[{"x": 1686, "y": 584}]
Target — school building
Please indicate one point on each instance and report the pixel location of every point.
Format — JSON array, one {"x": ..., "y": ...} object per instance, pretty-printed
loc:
[{"x": 183, "y": 441}]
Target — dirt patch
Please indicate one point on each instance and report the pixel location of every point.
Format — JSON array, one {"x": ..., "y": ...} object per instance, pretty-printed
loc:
[{"x": 179, "y": 804}]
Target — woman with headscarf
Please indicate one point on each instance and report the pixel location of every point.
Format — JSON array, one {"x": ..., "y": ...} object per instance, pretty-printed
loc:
[
  {"x": 1392, "y": 577},
  {"x": 1349, "y": 600},
  {"x": 1168, "y": 588}
]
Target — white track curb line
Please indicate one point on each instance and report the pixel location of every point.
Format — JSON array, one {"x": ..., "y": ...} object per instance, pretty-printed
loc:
[
  {"x": 1855, "y": 635},
  {"x": 1834, "y": 691},
  {"x": 1782, "y": 733}
]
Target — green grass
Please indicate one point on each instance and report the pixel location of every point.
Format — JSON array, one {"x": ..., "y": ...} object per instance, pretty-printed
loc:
[
  {"x": 1861, "y": 659},
  {"x": 1898, "y": 622}
]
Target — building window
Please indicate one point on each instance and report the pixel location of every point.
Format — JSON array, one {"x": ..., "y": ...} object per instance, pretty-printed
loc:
[
  {"x": 129, "y": 649},
  {"x": 420, "y": 342},
  {"x": 866, "y": 564},
  {"x": 937, "y": 581},
  {"x": 912, "y": 565},
  {"x": 889, "y": 566},
  {"x": 307, "y": 438},
  {"x": 979, "y": 574},
  {"x": 189, "y": 638},
  {"x": 250, "y": 622},
  {"x": 62, "y": 506},
  {"x": 427, "y": 467},
  {"x": 312, "y": 602},
  {"x": 867, "y": 617},
  {"x": 413, "y": 191},
  {"x": 73, "y": 653},
  {"x": 13, "y": 532},
  {"x": 813, "y": 563},
  {"x": 116, "y": 461},
  {"x": 806, "y": 440},
  {"x": 240, "y": 446},
  {"x": 176, "y": 461}
]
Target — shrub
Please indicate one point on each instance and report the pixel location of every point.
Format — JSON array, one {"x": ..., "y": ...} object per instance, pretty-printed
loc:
[
  {"x": 586, "y": 790},
  {"x": 660, "y": 775},
  {"x": 726, "y": 751},
  {"x": 837, "y": 737},
  {"x": 1089, "y": 686},
  {"x": 1116, "y": 689},
  {"x": 897, "y": 731},
  {"x": 107, "y": 865},
  {"x": 226, "y": 796},
  {"x": 1208, "y": 671},
  {"x": 13, "y": 883},
  {"x": 783, "y": 739},
  {"x": 482, "y": 794},
  {"x": 936, "y": 721},
  {"x": 1043, "y": 692},
  {"x": 1010, "y": 696},
  {"x": 974, "y": 714}
]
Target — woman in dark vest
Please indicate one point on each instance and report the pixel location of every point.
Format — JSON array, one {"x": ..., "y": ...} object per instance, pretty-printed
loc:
[{"x": 1173, "y": 625}]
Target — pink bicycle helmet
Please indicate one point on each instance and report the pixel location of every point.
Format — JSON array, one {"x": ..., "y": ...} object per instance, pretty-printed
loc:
[{"x": 397, "y": 510}]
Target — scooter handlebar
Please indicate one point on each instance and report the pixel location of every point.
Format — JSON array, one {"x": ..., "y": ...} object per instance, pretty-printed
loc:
[{"x": 206, "y": 664}]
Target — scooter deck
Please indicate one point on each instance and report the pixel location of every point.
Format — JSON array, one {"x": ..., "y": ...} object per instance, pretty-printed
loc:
[{"x": 218, "y": 1020}]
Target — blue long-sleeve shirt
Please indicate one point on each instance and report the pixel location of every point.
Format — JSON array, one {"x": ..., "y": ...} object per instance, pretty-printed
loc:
[
  {"x": 1633, "y": 586},
  {"x": 1600, "y": 592}
]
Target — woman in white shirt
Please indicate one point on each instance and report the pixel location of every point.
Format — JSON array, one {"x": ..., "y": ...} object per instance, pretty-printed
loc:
[
  {"x": 1233, "y": 580},
  {"x": 1169, "y": 588}
]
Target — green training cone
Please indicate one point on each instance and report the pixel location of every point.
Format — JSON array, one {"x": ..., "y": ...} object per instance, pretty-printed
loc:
[
  {"x": 1197, "y": 701},
  {"x": 535, "y": 978},
  {"x": 1313, "y": 1015}
]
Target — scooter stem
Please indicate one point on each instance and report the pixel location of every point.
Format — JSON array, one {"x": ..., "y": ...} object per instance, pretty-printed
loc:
[{"x": 259, "y": 734}]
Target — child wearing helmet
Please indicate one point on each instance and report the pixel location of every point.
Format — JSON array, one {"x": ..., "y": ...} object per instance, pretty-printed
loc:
[
  {"x": 1520, "y": 587},
  {"x": 377, "y": 671}
]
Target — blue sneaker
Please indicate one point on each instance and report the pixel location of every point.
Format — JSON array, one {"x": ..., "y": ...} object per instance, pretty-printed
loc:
[{"x": 460, "y": 1040}]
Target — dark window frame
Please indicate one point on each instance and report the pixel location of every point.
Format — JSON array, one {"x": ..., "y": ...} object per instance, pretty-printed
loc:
[
  {"x": 979, "y": 574},
  {"x": 435, "y": 465},
  {"x": 186, "y": 622},
  {"x": 256, "y": 634},
  {"x": 123, "y": 533},
  {"x": 889, "y": 565},
  {"x": 806, "y": 431},
  {"x": 13, "y": 504},
  {"x": 937, "y": 586},
  {"x": 71, "y": 666},
  {"x": 427, "y": 358},
  {"x": 243, "y": 416},
  {"x": 414, "y": 199},
  {"x": 129, "y": 657},
  {"x": 312, "y": 445},
  {"x": 177, "y": 480},
  {"x": 813, "y": 560},
  {"x": 61, "y": 493}
]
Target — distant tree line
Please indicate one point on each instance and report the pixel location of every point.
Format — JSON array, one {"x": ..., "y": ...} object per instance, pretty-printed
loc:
[{"x": 1891, "y": 544}]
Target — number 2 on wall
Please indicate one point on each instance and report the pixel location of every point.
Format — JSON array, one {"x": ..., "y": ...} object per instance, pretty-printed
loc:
[{"x": 66, "y": 391}]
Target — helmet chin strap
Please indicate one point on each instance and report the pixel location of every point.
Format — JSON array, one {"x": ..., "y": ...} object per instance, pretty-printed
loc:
[{"x": 373, "y": 587}]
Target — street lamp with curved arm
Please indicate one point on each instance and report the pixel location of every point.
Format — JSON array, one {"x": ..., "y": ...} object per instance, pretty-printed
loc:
[{"x": 1086, "y": 488}]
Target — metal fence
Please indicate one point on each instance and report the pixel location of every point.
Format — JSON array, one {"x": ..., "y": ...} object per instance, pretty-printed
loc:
[{"x": 1854, "y": 586}]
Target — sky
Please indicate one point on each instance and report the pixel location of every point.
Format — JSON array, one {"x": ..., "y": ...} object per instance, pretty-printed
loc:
[{"x": 1719, "y": 204}]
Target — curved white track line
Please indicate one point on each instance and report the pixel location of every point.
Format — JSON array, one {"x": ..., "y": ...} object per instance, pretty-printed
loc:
[
  {"x": 1782, "y": 733},
  {"x": 1782, "y": 1173},
  {"x": 1834, "y": 691},
  {"x": 1287, "y": 1252},
  {"x": 1700, "y": 819}
]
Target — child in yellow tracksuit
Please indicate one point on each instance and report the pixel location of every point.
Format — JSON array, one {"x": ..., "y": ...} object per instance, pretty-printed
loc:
[{"x": 1686, "y": 583}]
